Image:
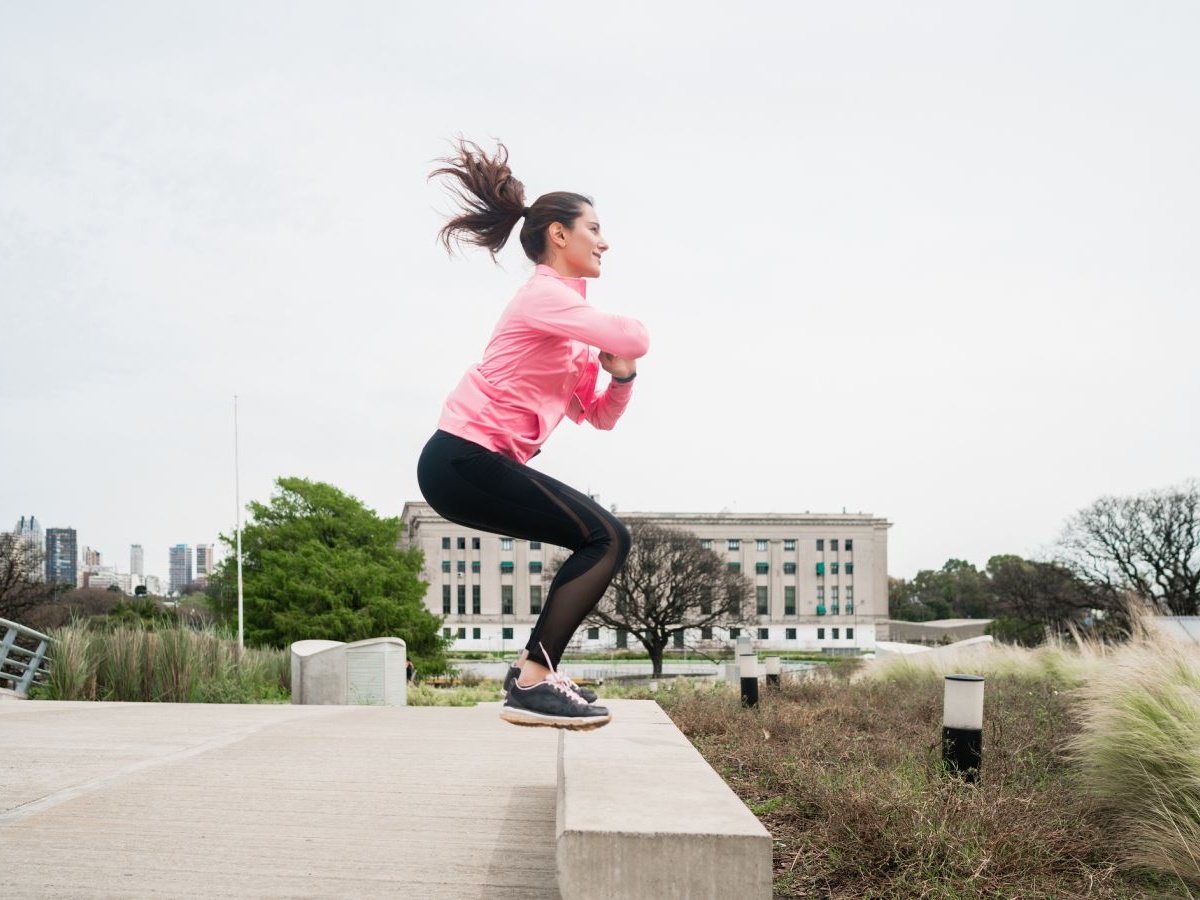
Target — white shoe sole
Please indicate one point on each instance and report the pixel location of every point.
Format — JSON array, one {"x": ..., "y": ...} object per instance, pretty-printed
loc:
[{"x": 572, "y": 723}]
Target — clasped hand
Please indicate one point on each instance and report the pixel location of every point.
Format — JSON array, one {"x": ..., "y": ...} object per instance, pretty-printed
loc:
[{"x": 617, "y": 366}]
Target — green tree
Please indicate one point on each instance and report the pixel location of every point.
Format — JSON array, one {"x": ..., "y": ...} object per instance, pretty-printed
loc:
[
  {"x": 1035, "y": 597},
  {"x": 317, "y": 563}
]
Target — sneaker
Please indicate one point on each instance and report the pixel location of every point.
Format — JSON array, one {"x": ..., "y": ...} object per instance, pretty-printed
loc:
[
  {"x": 551, "y": 703},
  {"x": 514, "y": 672}
]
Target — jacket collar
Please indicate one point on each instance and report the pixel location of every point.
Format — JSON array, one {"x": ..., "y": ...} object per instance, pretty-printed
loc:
[{"x": 579, "y": 285}]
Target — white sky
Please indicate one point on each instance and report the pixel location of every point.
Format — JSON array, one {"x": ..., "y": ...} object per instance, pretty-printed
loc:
[{"x": 933, "y": 261}]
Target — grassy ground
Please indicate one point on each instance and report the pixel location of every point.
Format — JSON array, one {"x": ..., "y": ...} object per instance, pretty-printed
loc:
[{"x": 845, "y": 773}]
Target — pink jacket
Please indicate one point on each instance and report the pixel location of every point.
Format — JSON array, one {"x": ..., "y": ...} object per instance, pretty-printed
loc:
[{"x": 540, "y": 366}]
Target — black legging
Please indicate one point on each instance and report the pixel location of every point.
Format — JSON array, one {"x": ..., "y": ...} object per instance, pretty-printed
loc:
[{"x": 482, "y": 489}]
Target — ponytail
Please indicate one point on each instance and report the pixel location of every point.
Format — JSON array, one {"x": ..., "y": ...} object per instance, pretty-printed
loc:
[{"x": 491, "y": 202}]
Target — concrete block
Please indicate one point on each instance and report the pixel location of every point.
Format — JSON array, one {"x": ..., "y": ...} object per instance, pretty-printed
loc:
[
  {"x": 642, "y": 815},
  {"x": 370, "y": 672}
]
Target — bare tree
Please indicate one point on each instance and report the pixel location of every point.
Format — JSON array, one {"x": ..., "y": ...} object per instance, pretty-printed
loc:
[
  {"x": 22, "y": 587},
  {"x": 1148, "y": 545},
  {"x": 671, "y": 582}
]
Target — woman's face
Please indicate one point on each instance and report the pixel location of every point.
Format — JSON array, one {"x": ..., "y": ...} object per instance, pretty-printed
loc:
[{"x": 580, "y": 246}]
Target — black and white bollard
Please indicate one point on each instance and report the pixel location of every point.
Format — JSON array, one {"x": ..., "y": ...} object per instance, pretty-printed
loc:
[
  {"x": 962, "y": 726},
  {"x": 773, "y": 669},
  {"x": 748, "y": 666}
]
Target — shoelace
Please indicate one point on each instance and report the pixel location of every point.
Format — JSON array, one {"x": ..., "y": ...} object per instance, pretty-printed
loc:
[{"x": 561, "y": 682}]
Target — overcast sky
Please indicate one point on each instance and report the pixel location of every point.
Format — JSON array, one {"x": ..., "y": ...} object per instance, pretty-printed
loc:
[{"x": 932, "y": 261}]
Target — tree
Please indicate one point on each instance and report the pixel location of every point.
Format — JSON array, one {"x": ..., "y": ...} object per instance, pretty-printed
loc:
[
  {"x": 1035, "y": 597},
  {"x": 956, "y": 590},
  {"x": 22, "y": 587},
  {"x": 318, "y": 564},
  {"x": 671, "y": 582},
  {"x": 1148, "y": 545}
]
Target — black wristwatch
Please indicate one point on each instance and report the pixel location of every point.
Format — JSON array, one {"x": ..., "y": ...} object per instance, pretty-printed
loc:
[{"x": 626, "y": 379}]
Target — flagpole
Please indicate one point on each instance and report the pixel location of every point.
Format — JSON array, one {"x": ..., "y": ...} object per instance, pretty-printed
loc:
[{"x": 237, "y": 493}]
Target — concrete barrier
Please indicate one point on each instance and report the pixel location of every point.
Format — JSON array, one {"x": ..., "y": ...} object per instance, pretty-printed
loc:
[
  {"x": 371, "y": 672},
  {"x": 642, "y": 815}
]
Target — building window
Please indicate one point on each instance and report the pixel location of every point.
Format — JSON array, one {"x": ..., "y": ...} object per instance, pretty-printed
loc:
[
  {"x": 820, "y": 545},
  {"x": 820, "y": 568},
  {"x": 789, "y": 634},
  {"x": 535, "y": 567},
  {"x": 849, "y": 568},
  {"x": 445, "y": 565},
  {"x": 735, "y": 544},
  {"x": 835, "y": 634},
  {"x": 760, "y": 545},
  {"x": 462, "y": 599},
  {"x": 763, "y": 602},
  {"x": 474, "y": 543},
  {"x": 505, "y": 543},
  {"x": 475, "y": 634},
  {"x": 789, "y": 568},
  {"x": 764, "y": 634},
  {"x": 833, "y": 568},
  {"x": 735, "y": 567},
  {"x": 821, "y": 594},
  {"x": 462, "y": 543},
  {"x": 820, "y": 634},
  {"x": 535, "y": 545},
  {"x": 445, "y": 599},
  {"x": 445, "y": 543},
  {"x": 762, "y": 568},
  {"x": 706, "y": 604},
  {"x": 735, "y": 633},
  {"x": 833, "y": 546},
  {"x": 506, "y": 599},
  {"x": 705, "y": 544},
  {"x": 462, "y": 634},
  {"x": 462, "y": 565},
  {"x": 706, "y": 633},
  {"x": 446, "y": 631},
  {"x": 506, "y": 566},
  {"x": 535, "y": 599},
  {"x": 849, "y": 593},
  {"x": 475, "y": 599},
  {"x": 789, "y": 545},
  {"x": 849, "y": 545},
  {"x": 622, "y": 639},
  {"x": 833, "y": 594},
  {"x": 506, "y": 633},
  {"x": 593, "y": 634},
  {"x": 849, "y": 634},
  {"x": 789, "y": 600},
  {"x": 474, "y": 565}
]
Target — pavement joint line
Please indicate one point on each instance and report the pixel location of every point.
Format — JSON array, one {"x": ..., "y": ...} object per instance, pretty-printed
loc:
[{"x": 65, "y": 795}]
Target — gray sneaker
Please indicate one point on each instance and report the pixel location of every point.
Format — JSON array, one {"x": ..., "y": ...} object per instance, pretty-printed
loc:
[
  {"x": 553, "y": 704},
  {"x": 514, "y": 672}
]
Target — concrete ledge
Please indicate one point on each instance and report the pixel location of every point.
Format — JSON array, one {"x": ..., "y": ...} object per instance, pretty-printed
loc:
[{"x": 641, "y": 814}]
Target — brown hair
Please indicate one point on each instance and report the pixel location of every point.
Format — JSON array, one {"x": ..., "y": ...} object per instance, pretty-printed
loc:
[{"x": 492, "y": 202}]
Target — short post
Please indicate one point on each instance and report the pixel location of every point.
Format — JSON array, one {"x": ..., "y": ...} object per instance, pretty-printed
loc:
[
  {"x": 773, "y": 667},
  {"x": 962, "y": 726},
  {"x": 748, "y": 663}
]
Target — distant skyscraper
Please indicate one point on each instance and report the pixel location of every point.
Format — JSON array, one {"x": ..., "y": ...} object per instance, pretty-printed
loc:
[
  {"x": 90, "y": 557},
  {"x": 204, "y": 561},
  {"x": 29, "y": 530},
  {"x": 137, "y": 560},
  {"x": 180, "y": 566},
  {"x": 61, "y": 556}
]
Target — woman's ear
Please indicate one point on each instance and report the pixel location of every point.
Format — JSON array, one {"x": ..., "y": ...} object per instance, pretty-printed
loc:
[{"x": 558, "y": 234}]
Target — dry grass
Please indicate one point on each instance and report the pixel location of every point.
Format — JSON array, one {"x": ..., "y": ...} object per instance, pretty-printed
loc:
[{"x": 845, "y": 774}]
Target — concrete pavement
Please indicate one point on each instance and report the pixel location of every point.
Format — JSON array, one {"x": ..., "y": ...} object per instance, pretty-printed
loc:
[{"x": 177, "y": 800}]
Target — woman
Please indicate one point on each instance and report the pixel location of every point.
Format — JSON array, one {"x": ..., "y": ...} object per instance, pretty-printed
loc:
[{"x": 538, "y": 367}]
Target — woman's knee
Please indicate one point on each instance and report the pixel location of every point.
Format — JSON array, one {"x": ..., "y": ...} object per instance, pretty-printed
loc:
[{"x": 622, "y": 539}]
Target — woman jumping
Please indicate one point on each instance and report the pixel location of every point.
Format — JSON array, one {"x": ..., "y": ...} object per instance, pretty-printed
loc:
[{"x": 541, "y": 364}]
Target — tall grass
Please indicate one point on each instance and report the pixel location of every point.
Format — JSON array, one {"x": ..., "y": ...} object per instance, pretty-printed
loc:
[
  {"x": 171, "y": 663},
  {"x": 1139, "y": 751}
]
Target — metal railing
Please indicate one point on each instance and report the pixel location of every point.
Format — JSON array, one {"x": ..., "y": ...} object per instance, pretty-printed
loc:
[{"x": 23, "y": 659}]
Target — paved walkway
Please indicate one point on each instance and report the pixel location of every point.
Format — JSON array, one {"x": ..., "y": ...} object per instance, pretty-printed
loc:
[{"x": 173, "y": 800}]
